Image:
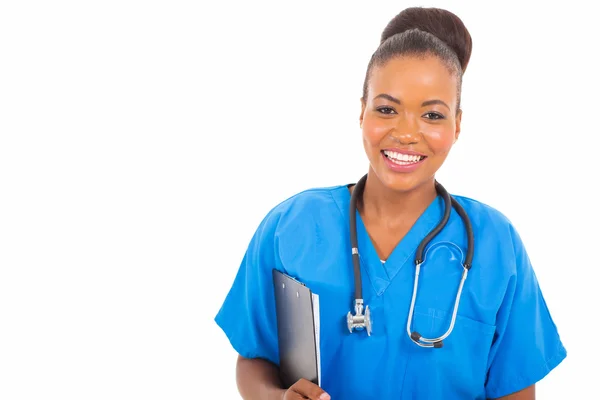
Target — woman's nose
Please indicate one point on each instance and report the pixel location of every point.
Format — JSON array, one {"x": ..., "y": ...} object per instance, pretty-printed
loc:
[{"x": 406, "y": 131}]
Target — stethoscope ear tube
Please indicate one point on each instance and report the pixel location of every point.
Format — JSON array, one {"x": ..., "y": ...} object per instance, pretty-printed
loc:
[
  {"x": 470, "y": 236},
  {"x": 447, "y": 209},
  {"x": 356, "y": 193},
  {"x": 359, "y": 320},
  {"x": 416, "y": 336}
]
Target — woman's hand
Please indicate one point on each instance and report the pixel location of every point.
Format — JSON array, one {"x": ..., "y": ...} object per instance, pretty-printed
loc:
[{"x": 305, "y": 389}]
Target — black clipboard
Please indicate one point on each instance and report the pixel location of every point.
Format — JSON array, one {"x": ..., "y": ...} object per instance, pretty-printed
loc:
[{"x": 298, "y": 330}]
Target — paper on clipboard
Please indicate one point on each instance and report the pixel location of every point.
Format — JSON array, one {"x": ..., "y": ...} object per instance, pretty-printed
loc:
[{"x": 317, "y": 325}]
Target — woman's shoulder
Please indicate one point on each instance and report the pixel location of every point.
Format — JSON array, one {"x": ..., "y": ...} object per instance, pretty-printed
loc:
[
  {"x": 309, "y": 206},
  {"x": 481, "y": 211},
  {"x": 312, "y": 200},
  {"x": 489, "y": 220}
]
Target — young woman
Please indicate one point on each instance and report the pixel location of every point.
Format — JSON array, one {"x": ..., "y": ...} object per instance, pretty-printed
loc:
[{"x": 502, "y": 338}]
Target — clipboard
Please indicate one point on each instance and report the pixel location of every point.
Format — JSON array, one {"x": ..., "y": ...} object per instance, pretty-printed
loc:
[{"x": 298, "y": 330}]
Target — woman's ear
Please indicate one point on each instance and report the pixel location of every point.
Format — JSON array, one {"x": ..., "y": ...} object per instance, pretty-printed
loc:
[
  {"x": 362, "y": 111},
  {"x": 457, "y": 127}
]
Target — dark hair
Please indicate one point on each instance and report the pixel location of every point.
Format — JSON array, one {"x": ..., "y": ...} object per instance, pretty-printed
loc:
[{"x": 420, "y": 32}]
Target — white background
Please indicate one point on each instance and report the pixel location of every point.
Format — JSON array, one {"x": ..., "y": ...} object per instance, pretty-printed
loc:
[{"x": 142, "y": 142}]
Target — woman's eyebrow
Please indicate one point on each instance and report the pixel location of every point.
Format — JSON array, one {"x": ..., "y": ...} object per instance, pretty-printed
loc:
[
  {"x": 387, "y": 97},
  {"x": 424, "y": 104},
  {"x": 432, "y": 102}
]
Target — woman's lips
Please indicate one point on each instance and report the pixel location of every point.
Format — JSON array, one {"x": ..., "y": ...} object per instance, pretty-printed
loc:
[{"x": 402, "y": 160}]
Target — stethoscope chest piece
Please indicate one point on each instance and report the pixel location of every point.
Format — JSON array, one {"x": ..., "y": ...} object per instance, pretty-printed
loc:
[{"x": 359, "y": 321}]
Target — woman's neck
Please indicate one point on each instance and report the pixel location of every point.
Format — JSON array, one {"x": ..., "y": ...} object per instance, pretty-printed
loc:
[{"x": 384, "y": 204}]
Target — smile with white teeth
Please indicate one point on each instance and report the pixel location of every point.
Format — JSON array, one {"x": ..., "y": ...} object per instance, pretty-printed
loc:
[{"x": 402, "y": 159}]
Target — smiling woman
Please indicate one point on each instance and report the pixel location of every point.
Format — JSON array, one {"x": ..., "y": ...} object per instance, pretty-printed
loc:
[
  {"x": 449, "y": 267},
  {"x": 410, "y": 119}
]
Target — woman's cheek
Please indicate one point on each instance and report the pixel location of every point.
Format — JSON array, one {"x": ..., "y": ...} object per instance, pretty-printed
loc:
[
  {"x": 374, "y": 131},
  {"x": 440, "y": 140}
]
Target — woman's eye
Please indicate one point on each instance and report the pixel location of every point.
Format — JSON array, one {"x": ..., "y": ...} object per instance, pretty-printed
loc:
[
  {"x": 433, "y": 115},
  {"x": 386, "y": 110}
]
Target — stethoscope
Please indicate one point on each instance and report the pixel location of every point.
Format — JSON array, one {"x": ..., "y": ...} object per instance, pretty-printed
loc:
[{"x": 361, "y": 321}]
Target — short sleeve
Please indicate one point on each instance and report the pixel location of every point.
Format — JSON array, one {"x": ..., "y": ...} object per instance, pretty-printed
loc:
[
  {"x": 247, "y": 315},
  {"x": 527, "y": 345}
]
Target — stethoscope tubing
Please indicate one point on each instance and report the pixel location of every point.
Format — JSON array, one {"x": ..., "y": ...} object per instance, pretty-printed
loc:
[{"x": 449, "y": 203}]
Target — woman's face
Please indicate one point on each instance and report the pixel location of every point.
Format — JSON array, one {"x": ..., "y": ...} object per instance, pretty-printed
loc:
[{"x": 409, "y": 120}]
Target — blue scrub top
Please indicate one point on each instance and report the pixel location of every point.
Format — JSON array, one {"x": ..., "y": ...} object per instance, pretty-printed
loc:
[{"x": 504, "y": 338}]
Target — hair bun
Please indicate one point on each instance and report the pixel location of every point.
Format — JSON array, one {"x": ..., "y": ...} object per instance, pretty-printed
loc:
[{"x": 443, "y": 24}]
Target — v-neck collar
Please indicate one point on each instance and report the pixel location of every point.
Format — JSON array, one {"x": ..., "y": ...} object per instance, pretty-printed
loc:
[{"x": 381, "y": 275}]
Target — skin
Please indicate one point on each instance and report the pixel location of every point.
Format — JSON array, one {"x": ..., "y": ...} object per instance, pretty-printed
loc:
[
  {"x": 412, "y": 105},
  {"x": 259, "y": 380}
]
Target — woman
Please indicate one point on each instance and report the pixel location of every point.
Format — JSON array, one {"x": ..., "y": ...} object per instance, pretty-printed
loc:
[{"x": 503, "y": 339}]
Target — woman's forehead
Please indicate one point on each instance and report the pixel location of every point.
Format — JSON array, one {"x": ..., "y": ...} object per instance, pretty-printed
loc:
[{"x": 414, "y": 76}]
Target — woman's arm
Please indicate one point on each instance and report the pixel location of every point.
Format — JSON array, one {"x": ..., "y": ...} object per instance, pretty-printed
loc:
[
  {"x": 525, "y": 394},
  {"x": 258, "y": 379}
]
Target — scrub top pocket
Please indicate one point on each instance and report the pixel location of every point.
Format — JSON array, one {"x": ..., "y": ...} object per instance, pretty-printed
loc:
[{"x": 458, "y": 369}]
